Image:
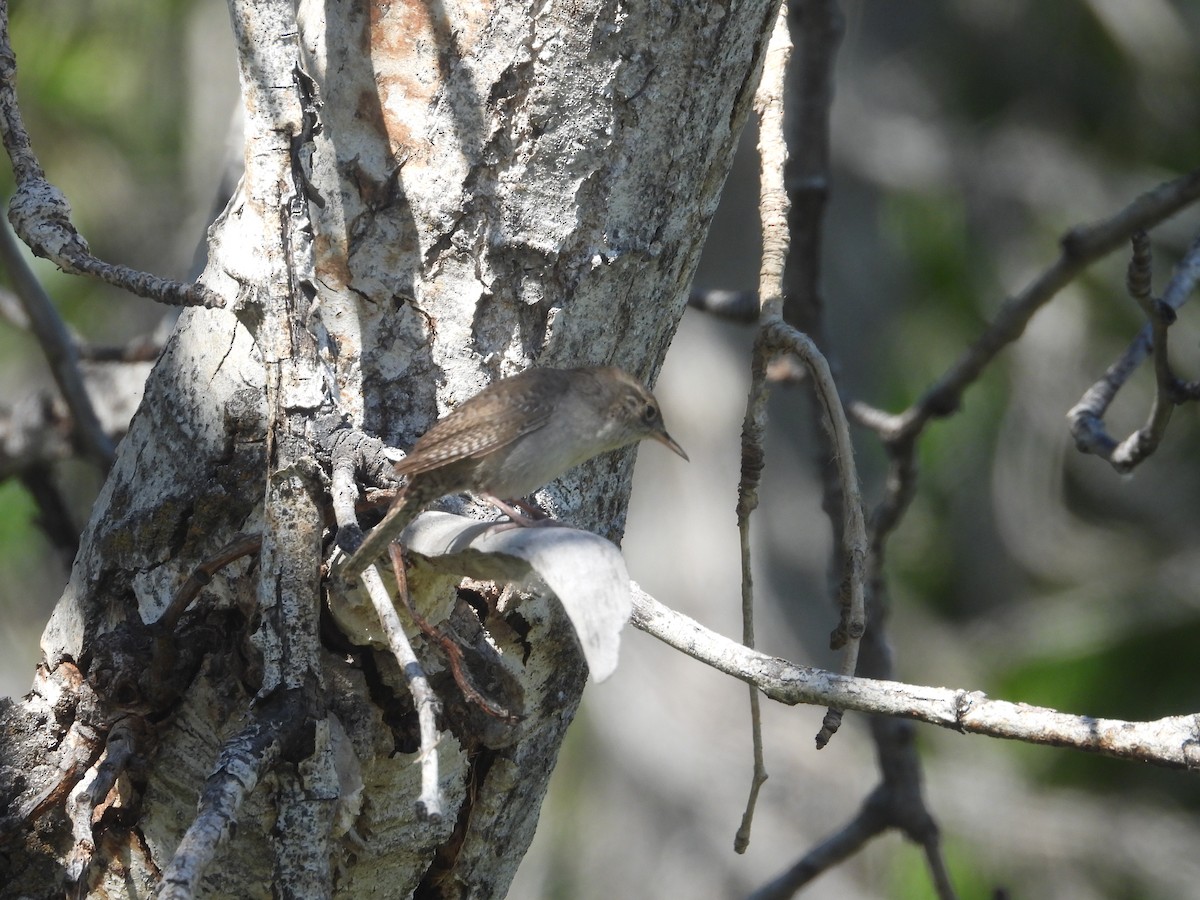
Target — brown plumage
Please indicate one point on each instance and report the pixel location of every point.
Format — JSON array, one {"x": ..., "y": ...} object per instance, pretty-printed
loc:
[{"x": 515, "y": 436}]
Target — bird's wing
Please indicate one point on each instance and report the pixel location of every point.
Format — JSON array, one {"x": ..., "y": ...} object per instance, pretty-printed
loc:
[{"x": 488, "y": 421}]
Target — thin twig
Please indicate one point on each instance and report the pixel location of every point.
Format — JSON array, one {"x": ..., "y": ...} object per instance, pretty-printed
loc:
[
  {"x": 41, "y": 215},
  {"x": 899, "y": 794},
  {"x": 166, "y": 654},
  {"x": 403, "y": 510},
  {"x": 781, "y": 337},
  {"x": 817, "y": 27},
  {"x": 753, "y": 429},
  {"x": 429, "y": 804},
  {"x": 835, "y": 849},
  {"x": 886, "y": 807},
  {"x": 344, "y": 493},
  {"x": 772, "y": 211},
  {"x": 454, "y": 654},
  {"x": 1086, "y": 418},
  {"x": 777, "y": 338},
  {"x": 354, "y": 453},
  {"x": 59, "y": 346},
  {"x": 1080, "y": 247},
  {"x": 939, "y": 872},
  {"x": 120, "y": 748},
  {"x": 772, "y": 151},
  {"x": 1143, "y": 442},
  {"x": 238, "y": 546}
]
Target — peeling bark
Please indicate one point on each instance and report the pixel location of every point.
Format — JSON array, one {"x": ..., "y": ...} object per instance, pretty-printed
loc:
[{"x": 490, "y": 186}]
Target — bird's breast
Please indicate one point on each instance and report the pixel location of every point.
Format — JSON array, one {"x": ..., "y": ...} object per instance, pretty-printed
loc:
[{"x": 527, "y": 464}]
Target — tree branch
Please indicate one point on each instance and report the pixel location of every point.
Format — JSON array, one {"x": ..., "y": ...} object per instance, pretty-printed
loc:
[
  {"x": 429, "y": 803},
  {"x": 41, "y": 215},
  {"x": 1086, "y": 418},
  {"x": 1080, "y": 247},
  {"x": 243, "y": 761},
  {"x": 1172, "y": 742},
  {"x": 60, "y": 349},
  {"x": 772, "y": 211}
]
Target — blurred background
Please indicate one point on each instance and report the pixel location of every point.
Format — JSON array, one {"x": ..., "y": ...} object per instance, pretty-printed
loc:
[{"x": 968, "y": 136}]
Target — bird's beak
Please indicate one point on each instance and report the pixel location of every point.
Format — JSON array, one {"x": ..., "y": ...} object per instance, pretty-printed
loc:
[{"x": 663, "y": 438}]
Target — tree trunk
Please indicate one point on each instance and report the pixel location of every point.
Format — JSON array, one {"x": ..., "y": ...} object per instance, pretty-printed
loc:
[{"x": 490, "y": 186}]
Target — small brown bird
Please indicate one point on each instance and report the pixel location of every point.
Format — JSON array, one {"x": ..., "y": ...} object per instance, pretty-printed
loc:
[{"x": 515, "y": 436}]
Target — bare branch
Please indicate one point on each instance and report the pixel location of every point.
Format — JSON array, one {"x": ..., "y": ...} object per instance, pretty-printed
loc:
[
  {"x": 60, "y": 349},
  {"x": 835, "y": 849},
  {"x": 816, "y": 27},
  {"x": 781, "y": 337},
  {"x": 1081, "y": 247},
  {"x": 1172, "y": 742},
  {"x": 454, "y": 654},
  {"x": 352, "y": 453},
  {"x": 1086, "y": 418},
  {"x": 239, "y": 545},
  {"x": 772, "y": 151},
  {"x": 429, "y": 804},
  {"x": 243, "y": 761},
  {"x": 41, "y": 215},
  {"x": 772, "y": 211},
  {"x": 1142, "y": 443},
  {"x": 119, "y": 750},
  {"x": 889, "y": 805}
]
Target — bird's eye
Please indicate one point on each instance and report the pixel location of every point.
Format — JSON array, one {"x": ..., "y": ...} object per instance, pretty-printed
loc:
[{"x": 649, "y": 412}]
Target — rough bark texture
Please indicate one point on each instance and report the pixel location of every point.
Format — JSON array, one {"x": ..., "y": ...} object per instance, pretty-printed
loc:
[{"x": 503, "y": 184}]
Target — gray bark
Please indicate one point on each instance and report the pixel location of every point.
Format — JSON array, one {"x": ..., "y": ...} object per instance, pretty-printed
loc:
[{"x": 502, "y": 185}]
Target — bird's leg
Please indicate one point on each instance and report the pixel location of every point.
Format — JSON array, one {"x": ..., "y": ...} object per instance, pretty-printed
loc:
[
  {"x": 453, "y": 652},
  {"x": 529, "y": 515}
]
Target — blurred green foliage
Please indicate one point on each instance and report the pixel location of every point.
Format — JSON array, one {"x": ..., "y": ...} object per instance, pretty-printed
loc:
[
  {"x": 17, "y": 541},
  {"x": 909, "y": 875},
  {"x": 104, "y": 95}
]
